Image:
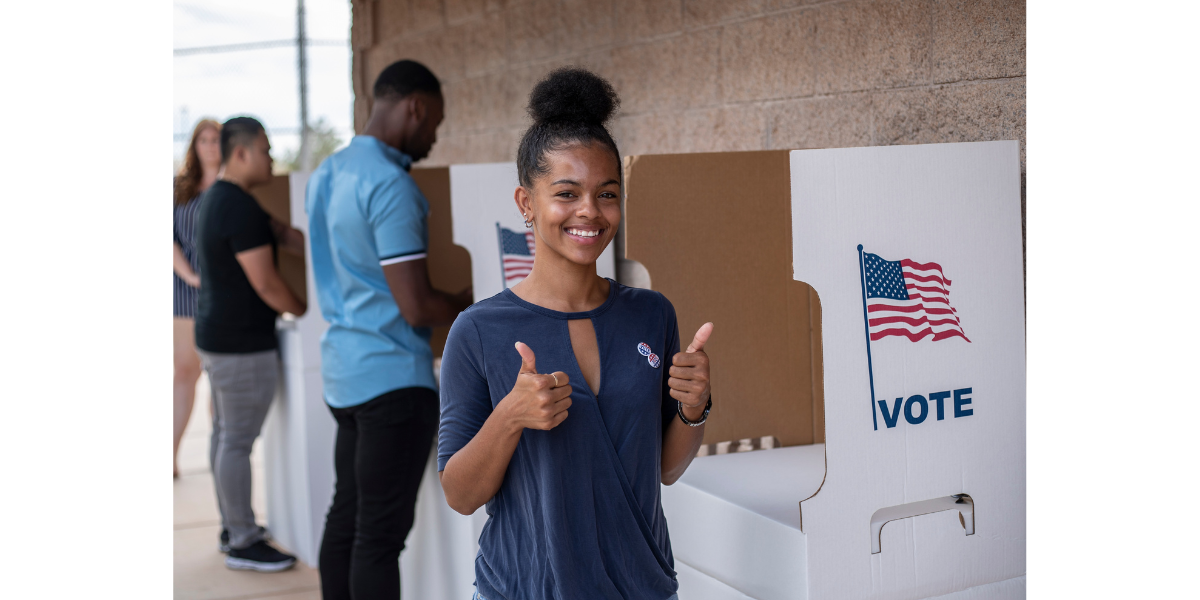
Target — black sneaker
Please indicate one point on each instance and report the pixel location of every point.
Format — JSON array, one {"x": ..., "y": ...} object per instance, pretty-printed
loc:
[
  {"x": 223, "y": 545},
  {"x": 259, "y": 556}
]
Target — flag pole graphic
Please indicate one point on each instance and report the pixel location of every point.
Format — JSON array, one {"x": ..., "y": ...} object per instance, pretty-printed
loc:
[
  {"x": 500, "y": 240},
  {"x": 862, "y": 280}
]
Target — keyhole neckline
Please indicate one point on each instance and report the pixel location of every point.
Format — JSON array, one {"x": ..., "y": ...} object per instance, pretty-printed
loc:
[{"x": 567, "y": 316}]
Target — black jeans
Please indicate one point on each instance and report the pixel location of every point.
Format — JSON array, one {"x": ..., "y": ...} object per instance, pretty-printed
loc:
[{"x": 379, "y": 457}]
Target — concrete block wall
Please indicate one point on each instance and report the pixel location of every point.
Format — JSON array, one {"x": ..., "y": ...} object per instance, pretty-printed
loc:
[{"x": 713, "y": 75}]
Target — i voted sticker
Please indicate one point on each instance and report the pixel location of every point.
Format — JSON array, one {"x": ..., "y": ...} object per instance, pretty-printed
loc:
[
  {"x": 653, "y": 358},
  {"x": 644, "y": 349}
]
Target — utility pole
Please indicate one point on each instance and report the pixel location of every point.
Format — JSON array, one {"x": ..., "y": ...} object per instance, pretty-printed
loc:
[{"x": 302, "y": 66}]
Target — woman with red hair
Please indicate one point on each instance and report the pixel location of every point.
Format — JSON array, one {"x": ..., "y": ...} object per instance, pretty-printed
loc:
[{"x": 200, "y": 168}]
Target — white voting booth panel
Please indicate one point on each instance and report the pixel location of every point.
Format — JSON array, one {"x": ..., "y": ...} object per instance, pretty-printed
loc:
[
  {"x": 922, "y": 475},
  {"x": 438, "y": 560},
  {"x": 911, "y": 418},
  {"x": 299, "y": 431}
]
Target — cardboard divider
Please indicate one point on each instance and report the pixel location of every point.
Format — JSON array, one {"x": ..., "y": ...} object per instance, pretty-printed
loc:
[
  {"x": 274, "y": 197},
  {"x": 714, "y": 233},
  {"x": 917, "y": 414},
  {"x": 737, "y": 239},
  {"x": 449, "y": 264}
]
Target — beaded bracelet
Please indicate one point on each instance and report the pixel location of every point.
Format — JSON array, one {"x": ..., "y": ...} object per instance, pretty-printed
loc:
[{"x": 703, "y": 417}]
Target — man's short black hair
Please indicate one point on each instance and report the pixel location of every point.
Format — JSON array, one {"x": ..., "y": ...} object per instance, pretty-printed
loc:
[
  {"x": 404, "y": 77},
  {"x": 238, "y": 131}
]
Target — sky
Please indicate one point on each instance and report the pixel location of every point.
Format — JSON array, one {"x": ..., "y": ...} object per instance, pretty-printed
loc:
[{"x": 261, "y": 83}]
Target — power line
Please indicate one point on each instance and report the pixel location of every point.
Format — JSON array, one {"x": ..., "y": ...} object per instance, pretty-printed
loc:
[
  {"x": 256, "y": 46},
  {"x": 184, "y": 136}
]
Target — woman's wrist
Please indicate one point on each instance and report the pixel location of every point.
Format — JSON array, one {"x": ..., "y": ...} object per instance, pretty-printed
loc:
[
  {"x": 693, "y": 413},
  {"x": 189, "y": 277},
  {"x": 505, "y": 419}
]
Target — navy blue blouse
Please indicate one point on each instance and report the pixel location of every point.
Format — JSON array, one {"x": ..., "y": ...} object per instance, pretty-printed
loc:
[{"x": 578, "y": 514}]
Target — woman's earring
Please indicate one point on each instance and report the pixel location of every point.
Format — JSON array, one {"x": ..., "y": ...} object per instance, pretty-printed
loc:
[{"x": 528, "y": 221}]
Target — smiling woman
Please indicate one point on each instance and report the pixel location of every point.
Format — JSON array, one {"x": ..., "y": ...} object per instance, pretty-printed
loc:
[
  {"x": 574, "y": 501},
  {"x": 570, "y": 192}
]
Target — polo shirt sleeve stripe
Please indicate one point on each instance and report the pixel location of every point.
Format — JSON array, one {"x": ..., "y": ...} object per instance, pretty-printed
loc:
[{"x": 399, "y": 258}]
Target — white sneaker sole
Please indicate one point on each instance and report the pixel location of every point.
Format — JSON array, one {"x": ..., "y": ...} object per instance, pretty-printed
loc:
[{"x": 243, "y": 564}]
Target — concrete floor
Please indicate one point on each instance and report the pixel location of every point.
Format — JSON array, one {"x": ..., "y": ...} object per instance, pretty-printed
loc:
[{"x": 200, "y": 572}]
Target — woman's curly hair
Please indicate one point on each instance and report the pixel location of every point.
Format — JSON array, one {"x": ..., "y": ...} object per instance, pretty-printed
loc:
[{"x": 571, "y": 105}]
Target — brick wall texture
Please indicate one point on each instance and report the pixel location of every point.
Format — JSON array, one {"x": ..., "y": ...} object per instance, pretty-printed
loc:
[{"x": 713, "y": 75}]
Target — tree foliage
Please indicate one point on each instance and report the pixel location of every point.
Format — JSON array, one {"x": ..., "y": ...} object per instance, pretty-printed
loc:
[{"x": 324, "y": 140}]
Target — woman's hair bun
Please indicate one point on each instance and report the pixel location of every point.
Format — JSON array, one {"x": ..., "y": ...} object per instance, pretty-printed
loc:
[{"x": 573, "y": 95}]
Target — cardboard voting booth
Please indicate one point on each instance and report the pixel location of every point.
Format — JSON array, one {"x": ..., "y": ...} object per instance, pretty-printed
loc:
[
  {"x": 869, "y": 314},
  {"x": 449, "y": 265},
  {"x": 889, "y": 378},
  {"x": 275, "y": 197},
  {"x": 299, "y": 433}
]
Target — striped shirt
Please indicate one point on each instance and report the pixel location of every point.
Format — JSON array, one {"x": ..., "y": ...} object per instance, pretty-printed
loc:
[{"x": 185, "y": 236}]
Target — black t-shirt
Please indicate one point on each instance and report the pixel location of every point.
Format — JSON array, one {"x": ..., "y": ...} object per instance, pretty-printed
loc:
[{"x": 230, "y": 317}]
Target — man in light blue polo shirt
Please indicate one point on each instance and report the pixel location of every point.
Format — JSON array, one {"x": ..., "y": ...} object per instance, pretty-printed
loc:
[{"x": 367, "y": 228}]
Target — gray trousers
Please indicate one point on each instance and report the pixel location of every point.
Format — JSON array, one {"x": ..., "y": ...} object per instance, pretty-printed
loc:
[{"x": 243, "y": 386}]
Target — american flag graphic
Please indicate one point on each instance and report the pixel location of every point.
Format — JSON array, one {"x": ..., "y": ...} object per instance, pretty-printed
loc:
[
  {"x": 908, "y": 299},
  {"x": 516, "y": 254}
]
